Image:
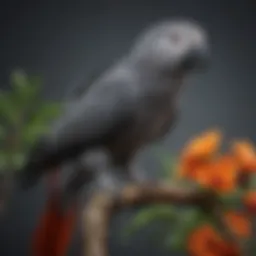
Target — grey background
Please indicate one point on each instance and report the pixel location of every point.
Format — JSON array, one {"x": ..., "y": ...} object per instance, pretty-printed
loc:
[{"x": 65, "y": 41}]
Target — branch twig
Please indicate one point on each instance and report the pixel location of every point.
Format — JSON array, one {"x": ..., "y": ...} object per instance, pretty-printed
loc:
[{"x": 102, "y": 206}]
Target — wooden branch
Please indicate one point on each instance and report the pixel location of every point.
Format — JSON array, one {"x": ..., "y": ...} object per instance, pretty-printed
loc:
[
  {"x": 96, "y": 225},
  {"x": 102, "y": 206}
]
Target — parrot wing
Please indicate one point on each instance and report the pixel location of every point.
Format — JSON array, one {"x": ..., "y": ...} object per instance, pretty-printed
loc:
[
  {"x": 102, "y": 112},
  {"x": 83, "y": 84}
]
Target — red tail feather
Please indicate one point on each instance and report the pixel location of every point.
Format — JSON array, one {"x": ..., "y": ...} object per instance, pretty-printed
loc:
[
  {"x": 53, "y": 234},
  {"x": 47, "y": 230},
  {"x": 65, "y": 232}
]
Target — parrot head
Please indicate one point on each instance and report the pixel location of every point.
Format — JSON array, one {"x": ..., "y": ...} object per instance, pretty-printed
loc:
[{"x": 176, "y": 46}]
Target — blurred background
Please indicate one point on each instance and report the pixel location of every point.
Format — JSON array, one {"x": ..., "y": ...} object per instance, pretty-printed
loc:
[{"x": 65, "y": 42}]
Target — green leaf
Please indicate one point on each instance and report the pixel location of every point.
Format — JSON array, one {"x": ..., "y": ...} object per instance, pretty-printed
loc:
[
  {"x": 175, "y": 240},
  {"x": 26, "y": 95},
  {"x": 26, "y": 90},
  {"x": 151, "y": 214},
  {"x": 167, "y": 162},
  {"x": 39, "y": 122},
  {"x": 253, "y": 181},
  {"x": 35, "y": 81},
  {"x": 18, "y": 78},
  {"x": 189, "y": 219},
  {"x": 9, "y": 110},
  {"x": 32, "y": 132},
  {"x": 169, "y": 165},
  {"x": 3, "y": 161},
  {"x": 232, "y": 200},
  {"x": 47, "y": 112},
  {"x": 11, "y": 160},
  {"x": 24, "y": 113},
  {"x": 18, "y": 160},
  {"x": 2, "y": 132}
]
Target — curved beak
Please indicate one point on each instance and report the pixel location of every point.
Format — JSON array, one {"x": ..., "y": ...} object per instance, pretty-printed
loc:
[{"x": 197, "y": 59}]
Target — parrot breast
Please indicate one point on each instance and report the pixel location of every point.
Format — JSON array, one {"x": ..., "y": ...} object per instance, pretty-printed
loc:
[{"x": 153, "y": 120}]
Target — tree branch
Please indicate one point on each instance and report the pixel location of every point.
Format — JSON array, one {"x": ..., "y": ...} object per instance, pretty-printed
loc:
[{"x": 102, "y": 206}]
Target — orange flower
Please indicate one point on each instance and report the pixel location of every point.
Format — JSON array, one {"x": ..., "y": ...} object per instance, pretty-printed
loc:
[
  {"x": 205, "y": 241},
  {"x": 249, "y": 201},
  {"x": 219, "y": 174},
  {"x": 191, "y": 168},
  {"x": 203, "y": 146},
  {"x": 202, "y": 174},
  {"x": 238, "y": 223},
  {"x": 229, "y": 250},
  {"x": 245, "y": 154},
  {"x": 222, "y": 176},
  {"x": 197, "y": 153}
]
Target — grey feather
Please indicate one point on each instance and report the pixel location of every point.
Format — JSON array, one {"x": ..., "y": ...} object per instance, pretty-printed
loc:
[{"x": 130, "y": 105}]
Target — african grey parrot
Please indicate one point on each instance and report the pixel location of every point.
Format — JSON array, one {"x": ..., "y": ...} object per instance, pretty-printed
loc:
[{"x": 131, "y": 105}]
